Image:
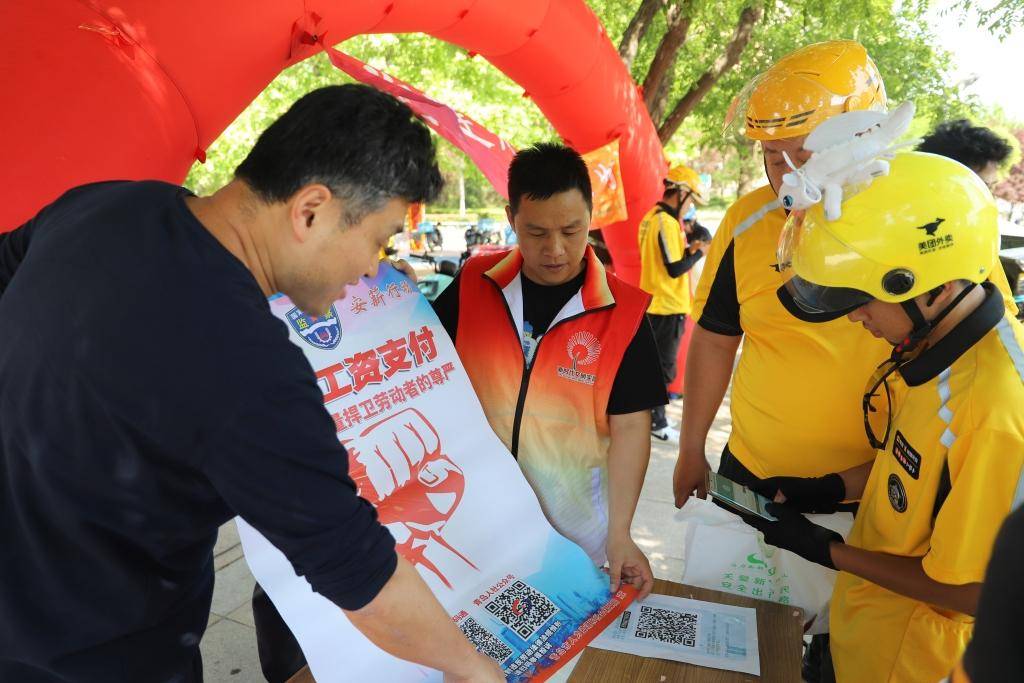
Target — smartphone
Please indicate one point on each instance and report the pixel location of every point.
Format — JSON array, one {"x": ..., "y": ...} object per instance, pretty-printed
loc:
[{"x": 738, "y": 496}]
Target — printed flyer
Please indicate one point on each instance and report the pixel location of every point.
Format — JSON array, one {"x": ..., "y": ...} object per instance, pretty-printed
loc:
[
  {"x": 421, "y": 451},
  {"x": 684, "y": 630}
]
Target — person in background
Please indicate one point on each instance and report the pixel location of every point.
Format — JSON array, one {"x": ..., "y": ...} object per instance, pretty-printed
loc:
[
  {"x": 976, "y": 147},
  {"x": 668, "y": 250},
  {"x": 562, "y": 360}
]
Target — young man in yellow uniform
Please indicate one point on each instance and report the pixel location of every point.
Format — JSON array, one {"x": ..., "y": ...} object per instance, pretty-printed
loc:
[
  {"x": 775, "y": 429},
  {"x": 907, "y": 259},
  {"x": 667, "y": 253}
]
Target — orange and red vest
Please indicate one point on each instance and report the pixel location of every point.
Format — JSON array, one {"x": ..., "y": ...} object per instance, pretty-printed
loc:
[{"x": 551, "y": 414}]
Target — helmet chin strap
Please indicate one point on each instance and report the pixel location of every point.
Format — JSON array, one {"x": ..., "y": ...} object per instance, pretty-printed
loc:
[{"x": 923, "y": 327}]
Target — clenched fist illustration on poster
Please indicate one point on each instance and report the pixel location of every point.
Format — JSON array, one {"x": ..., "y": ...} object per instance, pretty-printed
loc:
[{"x": 399, "y": 466}]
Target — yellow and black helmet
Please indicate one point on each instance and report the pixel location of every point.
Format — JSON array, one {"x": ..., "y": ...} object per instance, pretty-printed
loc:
[{"x": 930, "y": 221}]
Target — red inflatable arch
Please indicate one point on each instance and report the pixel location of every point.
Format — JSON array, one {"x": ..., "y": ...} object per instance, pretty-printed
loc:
[{"x": 98, "y": 89}]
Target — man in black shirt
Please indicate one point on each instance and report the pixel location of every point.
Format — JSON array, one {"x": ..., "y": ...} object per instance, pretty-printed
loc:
[
  {"x": 147, "y": 396},
  {"x": 581, "y": 440}
]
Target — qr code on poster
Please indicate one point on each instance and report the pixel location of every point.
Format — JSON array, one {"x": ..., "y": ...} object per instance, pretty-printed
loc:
[
  {"x": 484, "y": 641},
  {"x": 521, "y": 608},
  {"x": 668, "y": 626}
]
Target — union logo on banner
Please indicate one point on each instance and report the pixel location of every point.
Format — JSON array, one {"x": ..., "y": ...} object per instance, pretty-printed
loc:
[{"x": 321, "y": 331}]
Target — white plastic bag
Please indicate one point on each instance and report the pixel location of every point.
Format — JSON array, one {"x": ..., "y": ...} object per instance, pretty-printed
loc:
[{"x": 723, "y": 553}]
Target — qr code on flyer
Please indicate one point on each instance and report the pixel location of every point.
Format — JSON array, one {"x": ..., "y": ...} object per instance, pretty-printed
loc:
[
  {"x": 484, "y": 641},
  {"x": 522, "y": 608},
  {"x": 668, "y": 626}
]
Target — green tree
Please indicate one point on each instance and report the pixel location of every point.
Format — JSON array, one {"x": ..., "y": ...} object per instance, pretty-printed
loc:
[
  {"x": 1000, "y": 17},
  {"x": 444, "y": 72},
  {"x": 692, "y": 57}
]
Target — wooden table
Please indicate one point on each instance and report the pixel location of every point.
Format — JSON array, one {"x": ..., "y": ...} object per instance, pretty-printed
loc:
[
  {"x": 779, "y": 641},
  {"x": 780, "y": 631}
]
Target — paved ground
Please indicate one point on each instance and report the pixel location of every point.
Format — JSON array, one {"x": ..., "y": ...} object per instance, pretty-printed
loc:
[{"x": 229, "y": 646}]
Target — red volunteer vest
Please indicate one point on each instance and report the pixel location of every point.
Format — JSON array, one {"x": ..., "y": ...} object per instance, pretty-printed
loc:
[{"x": 553, "y": 414}]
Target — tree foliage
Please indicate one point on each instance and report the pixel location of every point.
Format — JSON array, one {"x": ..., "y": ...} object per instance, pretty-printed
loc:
[
  {"x": 701, "y": 51},
  {"x": 999, "y": 17},
  {"x": 442, "y": 71}
]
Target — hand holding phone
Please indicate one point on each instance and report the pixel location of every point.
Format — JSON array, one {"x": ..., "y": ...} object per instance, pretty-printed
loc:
[{"x": 738, "y": 497}]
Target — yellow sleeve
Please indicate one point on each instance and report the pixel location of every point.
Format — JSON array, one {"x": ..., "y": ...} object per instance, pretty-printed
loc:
[
  {"x": 984, "y": 470},
  {"x": 712, "y": 259},
  {"x": 998, "y": 278},
  {"x": 671, "y": 236}
]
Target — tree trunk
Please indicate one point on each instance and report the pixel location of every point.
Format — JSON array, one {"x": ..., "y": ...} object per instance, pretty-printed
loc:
[
  {"x": 660, "y": 100},
  {"x": 686, "y": 104},
  {"x": 749, "y": 173},
  {"x": 462, "y": 194},
  {"x": 678, "y": 19},
  {"x": 638, "y": 25}
]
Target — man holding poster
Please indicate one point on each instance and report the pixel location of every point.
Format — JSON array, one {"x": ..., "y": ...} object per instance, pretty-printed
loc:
[
  {"x": 563, "y": 361},
  {"x": 148, "y": 395}
]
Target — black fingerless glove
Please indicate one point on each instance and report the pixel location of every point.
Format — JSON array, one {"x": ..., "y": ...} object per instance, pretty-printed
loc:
[
  {"x": 796, "y": 533},
  {"x": 810, "y": 494}
]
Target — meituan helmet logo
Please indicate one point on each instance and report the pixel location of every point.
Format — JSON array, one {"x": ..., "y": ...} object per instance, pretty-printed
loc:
[
  {"x": 930, "y": 228},
  {"x": 583, "y": 348}
]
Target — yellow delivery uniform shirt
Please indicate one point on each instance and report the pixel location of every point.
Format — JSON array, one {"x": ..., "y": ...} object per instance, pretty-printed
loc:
[
  {"x": 796, "y": 391},
  {"x": 669, "y": 295},
  {"x": 957, "y": 432}
]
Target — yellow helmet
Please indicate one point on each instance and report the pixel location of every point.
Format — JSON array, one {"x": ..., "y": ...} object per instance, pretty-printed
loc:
[
  {"x": 930, "y": 221},
  {"x": 806, "y": 87},
  {"x": 684, "y": 176}
]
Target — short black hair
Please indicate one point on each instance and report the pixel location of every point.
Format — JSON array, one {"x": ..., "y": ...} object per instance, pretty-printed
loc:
[
  {"x": 973, "y": 146},
  {"x": 365, "y": 145},
  {"x": 544, "y": 170}
]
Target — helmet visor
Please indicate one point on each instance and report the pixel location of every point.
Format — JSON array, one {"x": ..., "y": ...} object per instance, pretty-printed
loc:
[
  {"x": 804, "y": 299},
  {"x": 817, "y": 303}
]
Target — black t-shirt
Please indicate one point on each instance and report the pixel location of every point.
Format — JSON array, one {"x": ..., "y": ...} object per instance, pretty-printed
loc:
[
  {"x": 147, "y": 395},
  {"x": 638, "y": 384},
  {"x": 996, "y": 650}
]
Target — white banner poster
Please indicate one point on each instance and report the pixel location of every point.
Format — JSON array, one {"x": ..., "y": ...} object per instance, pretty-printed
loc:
[{"x": 421, "y": 450}]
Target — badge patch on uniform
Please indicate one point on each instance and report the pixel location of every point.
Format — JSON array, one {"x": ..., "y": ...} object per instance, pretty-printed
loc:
[
  {"x": 906, "y": 455},
  {"x": 321, "y": 331},
  {"x": 897, "y": 494},
  {"x": 583, "y": 349}
]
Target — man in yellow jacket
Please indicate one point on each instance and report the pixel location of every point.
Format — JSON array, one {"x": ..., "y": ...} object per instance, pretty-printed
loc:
[
  {"x": 908, "y": 259},
  {"x": 775, "y": 429},
  {"x": 667, "y": 253}
]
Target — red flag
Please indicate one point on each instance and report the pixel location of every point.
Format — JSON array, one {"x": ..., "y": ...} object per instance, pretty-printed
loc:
[{"x": 490, "y": 153}]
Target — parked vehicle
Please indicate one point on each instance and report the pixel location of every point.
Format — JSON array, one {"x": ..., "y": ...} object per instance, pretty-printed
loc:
[
  {"x": 433, "y": 284},
  {"x": 431, "y": 234},
  {"x": 486, "y": 231}
]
